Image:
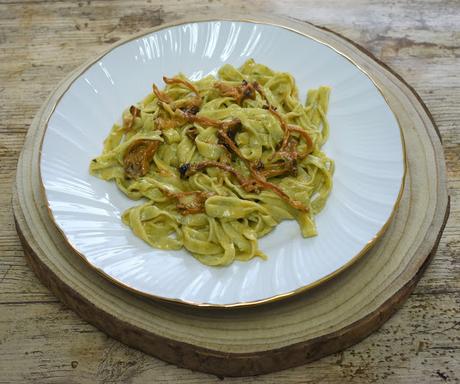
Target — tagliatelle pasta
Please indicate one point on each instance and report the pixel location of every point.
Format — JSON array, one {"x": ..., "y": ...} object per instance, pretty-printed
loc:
[{"x": 221, "y": 161}]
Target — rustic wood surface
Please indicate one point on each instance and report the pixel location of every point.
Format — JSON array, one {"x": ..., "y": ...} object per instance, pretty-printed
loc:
[
  {"x": 42, "y": 341},
  {"x": 253, "y": 341}
]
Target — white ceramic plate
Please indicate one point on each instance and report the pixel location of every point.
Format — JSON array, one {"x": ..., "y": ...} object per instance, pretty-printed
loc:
[{"x": 365, "y": 142}]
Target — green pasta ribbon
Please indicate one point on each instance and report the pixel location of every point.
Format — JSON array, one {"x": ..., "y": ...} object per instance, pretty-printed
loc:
[{"x": 219, "y": 162}]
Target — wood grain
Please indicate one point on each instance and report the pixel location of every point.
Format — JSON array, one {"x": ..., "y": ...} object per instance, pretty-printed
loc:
[
  {"x": 273, "y": 337},
  {"x": 42, "y": 41}
]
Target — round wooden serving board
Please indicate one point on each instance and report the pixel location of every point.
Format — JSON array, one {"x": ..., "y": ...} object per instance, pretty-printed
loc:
[{"x": 271, "y": 337}]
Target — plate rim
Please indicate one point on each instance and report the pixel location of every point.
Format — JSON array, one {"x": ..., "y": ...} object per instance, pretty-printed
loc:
[{"x": 76, "y": 73}]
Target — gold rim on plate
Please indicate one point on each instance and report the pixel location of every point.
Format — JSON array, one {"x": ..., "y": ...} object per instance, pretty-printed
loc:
[{"x": 271, "y": 299}]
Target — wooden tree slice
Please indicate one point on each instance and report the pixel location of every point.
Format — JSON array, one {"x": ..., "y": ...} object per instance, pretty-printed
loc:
[{"x": 275, "y": 336}]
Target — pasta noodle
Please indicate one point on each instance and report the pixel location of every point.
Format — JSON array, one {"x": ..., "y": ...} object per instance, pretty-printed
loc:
[{"x": 219, "y": 162}]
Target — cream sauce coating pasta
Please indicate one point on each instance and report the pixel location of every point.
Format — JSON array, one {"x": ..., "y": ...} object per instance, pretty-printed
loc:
[{"x": 217, "y": 163}]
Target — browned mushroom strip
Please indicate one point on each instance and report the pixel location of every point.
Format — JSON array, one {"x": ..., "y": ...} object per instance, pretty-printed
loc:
[
  {"x": 137, "y": 157},
  {"x": 190, "y": 105},
  {"x": 261, "y": 92},
  {"x": 269, "y": 173},
  {"x": 227, "y": 90},
  {"x": 189, "y": 202},
  {"x": 231, "y": 145},
  {"x": 304, "y": 134},
  {"x": 278, "y": 169},
  {"x": 165, "y": 124},
  {"x": 203, "y": 120},
  {"x": 161, "y": 95},
  {"x": 239, "y": 93},
  {"x": 135, "y": 112},
  {"x": 293, "y": 203},
  {"x": 283, "y": 124},
  {"x": 187, "y": 84}
]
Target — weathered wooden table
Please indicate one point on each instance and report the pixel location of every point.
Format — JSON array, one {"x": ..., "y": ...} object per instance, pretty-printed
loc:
[{"x": 41, "y": 41}]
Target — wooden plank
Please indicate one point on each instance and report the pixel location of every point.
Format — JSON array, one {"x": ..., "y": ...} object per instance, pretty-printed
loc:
[
  {"x": 60, "y": 346},
  {"x": 244, "y": 343}
]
